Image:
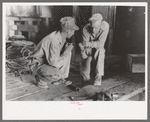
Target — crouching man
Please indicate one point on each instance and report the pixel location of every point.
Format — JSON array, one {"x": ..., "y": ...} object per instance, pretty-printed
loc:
[
  {"x": 53, "y": 55},
  {"x": 92, "y": 47}
]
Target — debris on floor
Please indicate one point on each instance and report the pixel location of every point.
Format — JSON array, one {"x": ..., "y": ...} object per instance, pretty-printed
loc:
[{"x": 116, "y": 84}]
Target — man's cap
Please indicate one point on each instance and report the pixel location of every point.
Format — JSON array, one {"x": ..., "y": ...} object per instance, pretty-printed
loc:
[
  {"x": 96, "y": 17},
  {"x": 68, "y": 23}
]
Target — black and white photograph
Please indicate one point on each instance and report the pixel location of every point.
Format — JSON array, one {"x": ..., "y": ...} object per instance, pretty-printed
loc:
[{"x": 77, "y": 54}]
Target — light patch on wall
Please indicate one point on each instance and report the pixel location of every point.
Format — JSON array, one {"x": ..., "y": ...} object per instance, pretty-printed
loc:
[
  {"x": 19, "y": 10},
  {"x": 45, "y": 11}
]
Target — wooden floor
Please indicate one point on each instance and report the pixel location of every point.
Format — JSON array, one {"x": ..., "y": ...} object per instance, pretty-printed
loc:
[{"x": 26, "y": 90}]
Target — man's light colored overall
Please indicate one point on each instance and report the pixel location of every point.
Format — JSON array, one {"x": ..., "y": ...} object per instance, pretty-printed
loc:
[
  {"x": 53, "y": 54},
  {"x": 92, "y": 47}
]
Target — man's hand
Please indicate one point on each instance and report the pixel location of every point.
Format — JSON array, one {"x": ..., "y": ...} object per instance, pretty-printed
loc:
[
  {"x": 81, "y": 46},
  {"x": 87, "y": 44},
  {"x": 68, "y": 48}
]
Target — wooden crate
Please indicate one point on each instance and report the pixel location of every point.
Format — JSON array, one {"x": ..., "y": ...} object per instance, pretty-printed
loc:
[
  {"x": 136, "y": 63},
  {"x": 23, "y": 26}
]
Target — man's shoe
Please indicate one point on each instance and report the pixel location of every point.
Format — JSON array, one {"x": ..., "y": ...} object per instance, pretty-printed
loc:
[
  {"x": 41, "y": 84},
  {"x": 98, "y": 81},
  {"x": 62, "y": 81}
]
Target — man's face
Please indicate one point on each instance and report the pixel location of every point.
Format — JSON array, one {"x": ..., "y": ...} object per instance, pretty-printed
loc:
[
  {"x": 70, "y": 33},
  {"x": 95, "y": 26}
]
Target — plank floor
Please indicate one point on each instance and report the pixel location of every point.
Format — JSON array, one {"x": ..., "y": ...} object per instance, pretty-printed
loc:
[
  {"x": 131, "y": 82},
  {"x": 26, "y": 90}
]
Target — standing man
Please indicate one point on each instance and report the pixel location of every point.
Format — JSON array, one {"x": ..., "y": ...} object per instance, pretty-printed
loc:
[
  {"x": 53, "y": 55},
  {"x": 92, "y": 47}
]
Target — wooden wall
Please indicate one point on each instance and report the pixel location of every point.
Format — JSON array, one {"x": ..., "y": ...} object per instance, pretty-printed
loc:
[
  {"x": 27, "y": 17},
  {"x": 24, "y": 11},
  {"x": 49, "y": 20}
]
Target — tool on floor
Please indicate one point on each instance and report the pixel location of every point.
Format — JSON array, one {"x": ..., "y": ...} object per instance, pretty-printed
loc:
[
  {"x": 68, "y": 83},
  {"x": 74, "y": 87},
  {"x": 97, "y": 97},
  {"x": 114, "y": 96},
  {"x": 100, "y": 96},
  {"x": 77, "y": 98}
]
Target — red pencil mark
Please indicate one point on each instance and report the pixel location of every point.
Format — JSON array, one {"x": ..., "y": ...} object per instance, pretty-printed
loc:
[
  {"x": 78, "y": 103},
  {"x": 72, "y": 102}
]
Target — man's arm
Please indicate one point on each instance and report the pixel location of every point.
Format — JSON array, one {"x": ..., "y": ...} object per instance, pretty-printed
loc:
[
  {"x": 38, "y": 53},
  {"x": 54, "y": 54},
  {"x": 55, "y": 57},
  {"x": 85, "y": 38},
  {"x": 68, "y": 48},
  {"x": 85, "y": 33}
]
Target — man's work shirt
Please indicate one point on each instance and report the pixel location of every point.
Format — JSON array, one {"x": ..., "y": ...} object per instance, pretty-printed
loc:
[
  {"x": 48, "y": 50},
  {"x": 98, "y": 40}
]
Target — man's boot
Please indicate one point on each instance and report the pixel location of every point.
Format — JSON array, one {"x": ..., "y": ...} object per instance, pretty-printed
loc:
[
  {"x": 98, "y": 80},
  {"x": 41, "y": 84}
]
